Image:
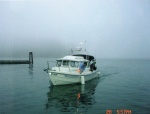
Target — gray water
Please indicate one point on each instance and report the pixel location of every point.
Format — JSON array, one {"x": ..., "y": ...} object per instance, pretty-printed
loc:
[{"x": 123, "y": 85}]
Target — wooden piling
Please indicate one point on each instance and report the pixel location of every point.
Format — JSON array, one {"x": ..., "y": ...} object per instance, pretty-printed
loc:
[
  {"x": 30, "y": 61},
  {"x": 31, "y": 57}
]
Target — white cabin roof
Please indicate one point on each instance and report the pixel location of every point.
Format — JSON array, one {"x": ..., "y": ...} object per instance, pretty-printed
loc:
[{"x": 73, "y": 58}]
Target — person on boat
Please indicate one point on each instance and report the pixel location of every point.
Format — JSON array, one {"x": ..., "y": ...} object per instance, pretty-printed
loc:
[
  {"x": 92, "y": 66},
  {"x": 82, "y": 67}
]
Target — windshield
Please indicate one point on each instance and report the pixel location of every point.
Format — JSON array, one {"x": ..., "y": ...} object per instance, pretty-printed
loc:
[
  {"x": 59, "y": 63},
  {"x": 74, "y": 64},
  {"x": 65, "y": 63}
]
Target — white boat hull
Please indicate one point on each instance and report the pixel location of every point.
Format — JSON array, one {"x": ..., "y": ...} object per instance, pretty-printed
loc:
[{"x": 61, "y": 78}]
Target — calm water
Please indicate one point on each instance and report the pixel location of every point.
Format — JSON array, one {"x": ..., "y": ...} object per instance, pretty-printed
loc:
[{"x": 123, "y": 84}]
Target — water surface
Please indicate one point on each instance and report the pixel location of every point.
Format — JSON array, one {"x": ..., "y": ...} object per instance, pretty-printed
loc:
[{"x": 123, "y": 84}]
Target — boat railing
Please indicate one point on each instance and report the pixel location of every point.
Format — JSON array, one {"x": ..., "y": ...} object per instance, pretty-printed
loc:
[{"x": 48, "y": 64}]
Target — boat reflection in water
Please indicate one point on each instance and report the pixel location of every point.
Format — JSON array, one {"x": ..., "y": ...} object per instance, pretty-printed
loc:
[{"x": 72, "y": 98}]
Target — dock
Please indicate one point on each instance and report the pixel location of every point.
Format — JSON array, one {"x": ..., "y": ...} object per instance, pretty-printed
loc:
[{"x": 30, "y": 61}]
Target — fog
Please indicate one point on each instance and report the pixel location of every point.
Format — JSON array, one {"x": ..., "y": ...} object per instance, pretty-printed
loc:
[{"x": 111, "y": 28}]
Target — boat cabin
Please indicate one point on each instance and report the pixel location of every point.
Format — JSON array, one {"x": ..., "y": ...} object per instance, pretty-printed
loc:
[{"x": 71, "y": 61}]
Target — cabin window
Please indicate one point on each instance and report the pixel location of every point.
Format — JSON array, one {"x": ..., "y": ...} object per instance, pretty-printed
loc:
[
  {"x": 58, "y": 63},
  {"x": 74, "y": 64},
  {"x": 65, "y": 63}
]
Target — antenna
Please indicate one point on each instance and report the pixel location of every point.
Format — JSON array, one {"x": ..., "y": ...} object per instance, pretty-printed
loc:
[
  {"x": 81, "y": 46},
  {"x": 85, "y": 46}
]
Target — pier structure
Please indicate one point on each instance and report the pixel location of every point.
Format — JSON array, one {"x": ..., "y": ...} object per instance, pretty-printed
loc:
[{"x": 30, "y": 61}]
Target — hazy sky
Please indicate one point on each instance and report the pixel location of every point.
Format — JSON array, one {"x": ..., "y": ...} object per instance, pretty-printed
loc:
[{"x": 111, "y": 28}]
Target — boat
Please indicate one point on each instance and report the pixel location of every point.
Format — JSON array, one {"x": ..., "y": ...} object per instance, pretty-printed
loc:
[{"x": 66, "y": 71}]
